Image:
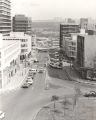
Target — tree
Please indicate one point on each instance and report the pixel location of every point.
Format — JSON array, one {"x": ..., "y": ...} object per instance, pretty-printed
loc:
[
  {"x": 54, "y": 98},
  {"x": 64, "y": 103},
  {"x": 77, "y": 94}
]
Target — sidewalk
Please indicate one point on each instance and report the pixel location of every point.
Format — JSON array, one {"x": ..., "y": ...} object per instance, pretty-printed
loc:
[
  {"x": 16, "y": 80},
  {"x": 72, "y": 75}
]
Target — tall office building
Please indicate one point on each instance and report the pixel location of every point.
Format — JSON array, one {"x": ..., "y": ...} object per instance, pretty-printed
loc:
[
  {"x": 21, "y": 23},
  {"x": 86, "y": 55},
  {"x": 5, "y": 16},
  {"x": 84, "y": 23},
  {"x": 65, "y": 32}
]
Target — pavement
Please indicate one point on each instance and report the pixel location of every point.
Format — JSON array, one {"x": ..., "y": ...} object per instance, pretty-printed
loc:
[
  {"x": 73, "y": 75},
  {"x": 23, "y": 104},
  {"x": 16, "y": 81}
]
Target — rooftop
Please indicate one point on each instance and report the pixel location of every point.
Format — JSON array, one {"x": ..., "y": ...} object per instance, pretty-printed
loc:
[
  {"x": 66, "y": 23},
  {"x": 7, "y": 43}
]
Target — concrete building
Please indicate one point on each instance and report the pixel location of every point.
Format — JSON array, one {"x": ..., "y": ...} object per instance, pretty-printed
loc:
[
  {"x": 55, "y": 42},
  {"x": 5, "y": 16},
  {"x": 84, "y": 23},
  {"x": 33, "y": 40},
  {"x": 43, "y": 43},
  {"x": 21, "y": 23},
  {"x": 65, "y": 32},
  {"x": 9, "y": 60},
  {"x": 71, "y": 47},
  {"x": 25, "y": 41},
  {"x": 55, "y": 58},
  {"x": 86, "y": 55}
]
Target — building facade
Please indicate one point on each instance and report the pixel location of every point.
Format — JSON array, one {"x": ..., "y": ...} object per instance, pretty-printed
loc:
[
  {"x": 43, "y": 43},
  {"x": 9, "y": 60},
  {"x": 5, "y": 16},
  {"x": 86, "y": 55},
  {"x": 55, "y": 58},
  {"x": 21, "y": 23},
  {"x": 84, "y": 23},
  {"x": 65, "y": 32},
  {"x": 71, "y": 48},
  {"x": 55, "y": 42},
  {"x": 25, "y": 41}
]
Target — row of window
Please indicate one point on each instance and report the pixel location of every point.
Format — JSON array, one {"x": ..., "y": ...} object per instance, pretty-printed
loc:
[
  {"x": 5, "y": 4},
  {"x": 24, "y": 50},
  {"x": 24, "y": 40},
  {"x": 24, "y": 45}
]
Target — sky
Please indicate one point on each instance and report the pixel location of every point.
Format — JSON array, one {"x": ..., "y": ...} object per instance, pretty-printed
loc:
[{"x": 49, "y": 9}]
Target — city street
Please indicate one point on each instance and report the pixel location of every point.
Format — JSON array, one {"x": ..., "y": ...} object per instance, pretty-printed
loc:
[{"x": 23, "y": 103}]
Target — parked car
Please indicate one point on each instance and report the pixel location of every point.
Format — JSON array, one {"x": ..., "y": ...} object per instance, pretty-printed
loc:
[
  {"x": 2, "y": 115},
  {"x": 33, "y": 70},
  {"x": 25, "y": 85},
  {"x": 29, "y": 78},
  {"x": 90, "y": 94},
  {"x": 40, "y": 70},
  {"x": 29, "y": 81}
]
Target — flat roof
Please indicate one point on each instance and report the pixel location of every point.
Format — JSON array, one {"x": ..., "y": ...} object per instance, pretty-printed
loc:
[
  {"x": 7, "y": 43},
  {"x": 66, "y": 23}
]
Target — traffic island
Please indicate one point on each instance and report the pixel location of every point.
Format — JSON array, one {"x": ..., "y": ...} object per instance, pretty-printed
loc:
[{"x": 70, "y": 108}]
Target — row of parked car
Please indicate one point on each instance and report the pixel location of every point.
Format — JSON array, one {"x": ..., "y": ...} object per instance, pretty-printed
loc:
[
  {"x": 29, "y": 80},
  {"x": 2, "y": 115}
]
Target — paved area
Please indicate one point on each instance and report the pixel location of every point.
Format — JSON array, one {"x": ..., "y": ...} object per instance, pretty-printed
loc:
[
  {"x": 16, "y": 80},
  {"x": 22, "y": 104},
  {"x": 73, "y": 75}
]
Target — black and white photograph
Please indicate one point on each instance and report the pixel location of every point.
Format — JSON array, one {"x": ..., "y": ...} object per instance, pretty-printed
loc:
[{"x": 47, "y": 59}]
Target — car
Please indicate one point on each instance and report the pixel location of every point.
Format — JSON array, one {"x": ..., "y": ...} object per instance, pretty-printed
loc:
[
  {"x": 33, "y": 70},
  {"x": 29, "y": 78},
  {"x": 29, "y": 81},
  {"x": 25, "y": 85},
  {"x": 31, "y": 75},
  {"x": 2, "y": 115},
  {"x": 40, "y": 70},
  {"x": 90, "y": 94},
  {"x": 36, "y": 61}
]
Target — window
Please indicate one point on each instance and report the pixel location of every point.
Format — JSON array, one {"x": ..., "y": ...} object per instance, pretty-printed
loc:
[
  {"x": 0, "y": 74},
  {"x": 24, "y": 45}
]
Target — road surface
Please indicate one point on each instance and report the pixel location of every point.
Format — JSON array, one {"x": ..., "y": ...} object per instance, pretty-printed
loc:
[{"x": 23, "y": 103}]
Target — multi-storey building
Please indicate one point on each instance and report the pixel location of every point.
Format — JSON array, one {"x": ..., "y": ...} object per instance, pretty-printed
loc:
[
  {"x": 86, "y": 55},
  {"x": 65, "y": 31},
  {"x": 5, "y": 16},
  {"x": 9, "y": 60},
  {"x": 55, "y": 42},
  {"x": 71, "y": 47},
  {"x": 21, "y": 23},
  {"x": 43, "y": 43},
  {"x": 55, "y": 58},
  {"x": 84, "y": 23},
  {"x": 25, "y": 41}
]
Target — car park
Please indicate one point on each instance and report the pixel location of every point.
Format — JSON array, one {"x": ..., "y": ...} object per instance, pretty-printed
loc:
[
  {"x": 25, "y": 85},
  {"x": 2, "y": 115}
]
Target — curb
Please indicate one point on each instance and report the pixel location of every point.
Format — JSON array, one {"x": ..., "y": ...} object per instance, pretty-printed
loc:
[
  {"x": 4, "y": 91},
  {"x": 79, "y": 81},
  {"x": 47, "y": 105}
]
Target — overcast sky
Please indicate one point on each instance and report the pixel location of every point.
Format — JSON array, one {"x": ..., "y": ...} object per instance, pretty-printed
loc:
[{"x": 48, "y": 9}]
